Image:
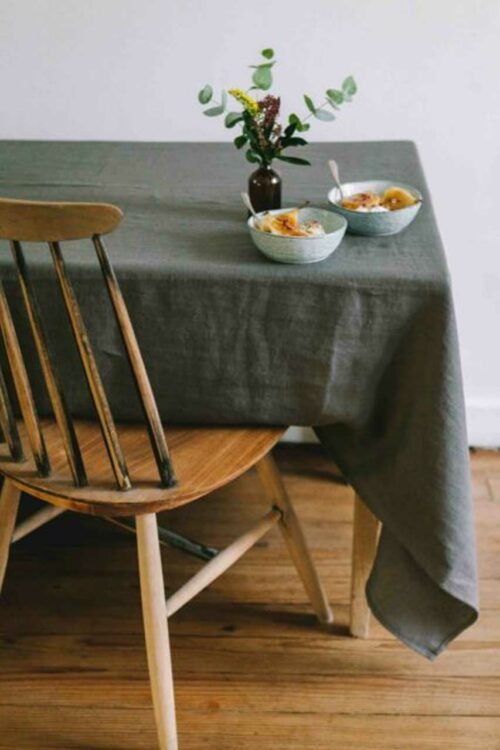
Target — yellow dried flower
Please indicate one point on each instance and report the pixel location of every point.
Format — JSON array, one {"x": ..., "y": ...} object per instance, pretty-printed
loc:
[{"x": 249, "y": 104}]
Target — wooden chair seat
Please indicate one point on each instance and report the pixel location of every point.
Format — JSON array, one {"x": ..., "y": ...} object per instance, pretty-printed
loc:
[{"x": 205, "y": 458}]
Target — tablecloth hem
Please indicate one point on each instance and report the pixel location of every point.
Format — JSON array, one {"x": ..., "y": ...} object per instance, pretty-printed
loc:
[{"x": 429, "y": 653}]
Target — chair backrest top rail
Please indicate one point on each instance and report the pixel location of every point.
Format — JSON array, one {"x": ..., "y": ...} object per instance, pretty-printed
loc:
[{"x": 40, "y": 221}]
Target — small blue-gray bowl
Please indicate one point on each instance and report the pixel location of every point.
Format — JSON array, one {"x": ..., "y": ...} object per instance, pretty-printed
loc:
[
  {"x": 301, "y": 249},
  {"x": 375, "y": 223}
]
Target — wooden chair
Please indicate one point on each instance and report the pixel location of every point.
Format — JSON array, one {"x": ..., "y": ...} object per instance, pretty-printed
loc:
[{"x": 92, "y": 467}]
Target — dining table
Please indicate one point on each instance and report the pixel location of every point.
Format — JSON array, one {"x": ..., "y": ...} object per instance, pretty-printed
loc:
[{"x": 361, "y": 346}]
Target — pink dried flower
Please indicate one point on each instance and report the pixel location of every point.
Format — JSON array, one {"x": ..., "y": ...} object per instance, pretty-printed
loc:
[{"x": 270, "y": 106}]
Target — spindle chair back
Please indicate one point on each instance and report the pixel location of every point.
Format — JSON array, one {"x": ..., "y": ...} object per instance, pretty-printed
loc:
[{"x": 53, "y": 223}]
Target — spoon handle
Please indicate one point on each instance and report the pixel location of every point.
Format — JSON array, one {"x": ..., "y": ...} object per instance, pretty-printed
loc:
[
  {"x": 248, "y": 203},
  {"x": 334, "y": 168}
]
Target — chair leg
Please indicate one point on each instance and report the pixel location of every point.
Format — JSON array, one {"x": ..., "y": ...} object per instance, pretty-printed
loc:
[
  {"x": 9, "y": 503},
  {"x": 156, "y": 630},
  {"x": 365, "y": 537},
  {"x": 294, "y": 537}
]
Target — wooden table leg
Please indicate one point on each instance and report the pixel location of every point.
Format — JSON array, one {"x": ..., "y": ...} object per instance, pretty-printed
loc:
[
  {"x": 9, "y": 503},
  {"x": 365, "y": 537}
]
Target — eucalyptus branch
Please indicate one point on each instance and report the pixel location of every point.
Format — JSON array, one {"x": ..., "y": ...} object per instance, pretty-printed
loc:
[
  {"x": 311, "y": 114},
  {"x": 262, "y": 134}
]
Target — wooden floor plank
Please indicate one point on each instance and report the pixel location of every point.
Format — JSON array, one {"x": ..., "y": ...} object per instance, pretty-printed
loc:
[
  {"x": 103, "y": 729},
  {"x": 309, "y": 654},
  {"x": 359, "y": 695},
  {"x": 252, "y": 667}
]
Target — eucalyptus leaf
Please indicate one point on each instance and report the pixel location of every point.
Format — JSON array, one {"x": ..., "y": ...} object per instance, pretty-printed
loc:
[
  {"x": 240, "y": 141},
  {"x": 214, "y": 111},
  {"x": 301, "y": 126},
  {"x": 294, "y": 160},
  {"x": 336, "y": 96},
  {"x": 232, "y": 118},
  {"x": 309, "y": 104},
  {"x": 262, "y": 77},
  {"x": 205, "y": 94},
  {"x": 223, "y": 99},
  {"x": 268, "y": 53},
  {"x": 349, "y": 86},
  {"x": 324, "y": 115}
]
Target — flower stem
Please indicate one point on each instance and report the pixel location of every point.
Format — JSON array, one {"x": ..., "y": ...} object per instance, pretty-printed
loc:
[{"x": 311, "y": 114}]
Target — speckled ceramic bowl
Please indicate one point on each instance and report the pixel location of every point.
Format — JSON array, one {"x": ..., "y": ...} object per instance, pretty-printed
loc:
[
  {"x": 373, "y": 224},
  {"x": 301, "y": 249}
]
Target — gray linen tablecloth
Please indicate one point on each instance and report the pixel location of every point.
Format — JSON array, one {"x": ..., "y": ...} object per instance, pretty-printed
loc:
[{"x": 362, "y": 346}]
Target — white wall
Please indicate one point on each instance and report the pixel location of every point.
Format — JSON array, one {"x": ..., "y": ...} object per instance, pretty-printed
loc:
[{"x": 427, "y": 70}]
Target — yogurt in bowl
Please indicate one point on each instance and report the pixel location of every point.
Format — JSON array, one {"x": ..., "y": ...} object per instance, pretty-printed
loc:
[
  {"x": 368, "y": 214},
  {"x": 313, "y": 235}
]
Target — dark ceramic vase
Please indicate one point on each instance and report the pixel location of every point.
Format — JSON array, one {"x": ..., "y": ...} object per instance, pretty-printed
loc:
[{"x": 264, "y": 189}]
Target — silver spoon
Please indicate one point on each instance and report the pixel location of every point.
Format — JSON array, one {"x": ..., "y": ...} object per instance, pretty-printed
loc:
[
  {"x": 248, "y": 203},
  {"x": 334, "y": 168}
]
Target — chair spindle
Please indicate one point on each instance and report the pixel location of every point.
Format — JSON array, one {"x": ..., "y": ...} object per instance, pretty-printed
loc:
[
  {"x": 142, "y": 382},
  {"x": 23, "y": 388},
  {"x": 50, "y": 373},
  {"x": 8, "y": 422},
  {"x": 94, "y": 381}
]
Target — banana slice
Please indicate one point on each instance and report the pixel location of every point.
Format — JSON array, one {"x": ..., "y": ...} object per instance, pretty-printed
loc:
[
  {"x": 396, "y": 197},
  {"x": 361, "y": 200},
  {"x": 286, "y": 225}
]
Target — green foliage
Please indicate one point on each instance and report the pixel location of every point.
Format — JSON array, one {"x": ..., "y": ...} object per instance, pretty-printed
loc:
[
  {"x": 349, "y": 88},
  {"x": 219, "y": 109},
  {"x": 309, "y": 104},
  {"x": 294, "y": 160},
  {"x": 324, "y": 115},
  {"x": 214, "y": 111},
  {"x": 299, "y": 125},
  {"x": 262, "y": 76},
  {"x": 240, "y": 141},
  {"x": 232, "y": 119},
  {"x": 335, "y": 97},
  {"x": 252, "y": 157},
  {"x": 264, "y": 137},
  {"x": 205, "y": 94}
]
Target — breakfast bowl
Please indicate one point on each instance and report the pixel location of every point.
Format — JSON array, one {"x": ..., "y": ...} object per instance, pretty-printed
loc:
[
  {"x": 290, "y": 249},
  {"x": 375, "y": 221}
]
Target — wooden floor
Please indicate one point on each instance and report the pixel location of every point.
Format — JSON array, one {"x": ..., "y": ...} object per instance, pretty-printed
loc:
[{"x": 252, "y": 669}]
